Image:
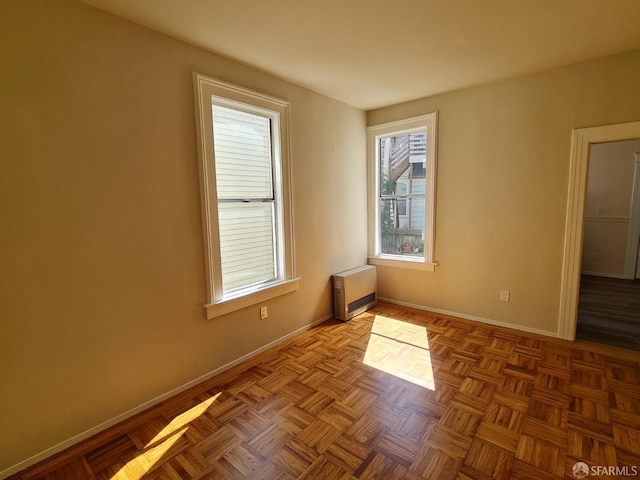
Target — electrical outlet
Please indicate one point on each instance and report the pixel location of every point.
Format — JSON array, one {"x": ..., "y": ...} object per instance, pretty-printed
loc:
[
  {"x": 505, "y": 295},
  {"x": 263, "y": 313}
]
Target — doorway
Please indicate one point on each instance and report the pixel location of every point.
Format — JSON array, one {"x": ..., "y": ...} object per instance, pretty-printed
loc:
[
  {"x": 609, "y": 298},
  {"x": 582, "y": 139}
]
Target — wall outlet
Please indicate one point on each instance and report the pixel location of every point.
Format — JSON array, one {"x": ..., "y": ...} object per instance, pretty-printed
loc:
[
  {"x": 263, "y": 313},
  {"x": 505, "y": 295}
]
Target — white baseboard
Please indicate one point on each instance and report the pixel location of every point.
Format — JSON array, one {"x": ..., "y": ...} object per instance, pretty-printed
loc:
[
  {"x": 473, "y": 317},
  {"x": 151, "y": 403}
]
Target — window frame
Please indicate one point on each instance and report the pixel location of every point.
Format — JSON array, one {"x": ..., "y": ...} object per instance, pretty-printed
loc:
[
  {"x": 428, "y": 123},
  {"x": 208, "y": 90}
]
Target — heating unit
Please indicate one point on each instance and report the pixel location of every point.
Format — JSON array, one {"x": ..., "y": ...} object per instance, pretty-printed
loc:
[{"x": 354, "y": 291}]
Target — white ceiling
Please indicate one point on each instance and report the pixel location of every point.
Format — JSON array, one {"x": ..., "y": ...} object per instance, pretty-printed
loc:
[{"x": 372, "y": 53}]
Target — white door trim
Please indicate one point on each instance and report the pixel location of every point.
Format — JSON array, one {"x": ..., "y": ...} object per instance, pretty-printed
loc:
[
  {"x": 633, "y": 235},
  {"x": 581, "y": 140}
]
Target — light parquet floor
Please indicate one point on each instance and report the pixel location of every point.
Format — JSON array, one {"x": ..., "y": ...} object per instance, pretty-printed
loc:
[{"x": 394, "y": 393}]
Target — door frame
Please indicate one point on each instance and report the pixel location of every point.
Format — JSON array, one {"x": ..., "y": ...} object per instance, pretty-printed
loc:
[
  {"x": 633, "y": 235},
  {"x": 581, "y": 140}
]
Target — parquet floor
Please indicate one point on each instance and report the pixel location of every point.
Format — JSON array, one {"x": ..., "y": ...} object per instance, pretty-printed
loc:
[{"x": 394, "y": 393}]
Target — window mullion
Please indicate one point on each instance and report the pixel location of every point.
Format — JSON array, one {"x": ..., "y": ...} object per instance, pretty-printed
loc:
[
  {"x": 402, "y": 196},
  {"x": 246, "y": 200}
]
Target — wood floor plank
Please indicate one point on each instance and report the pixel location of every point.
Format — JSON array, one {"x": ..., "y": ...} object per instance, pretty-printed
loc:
[
  {"x": 348, "y": 453},
  {"x": 488, "y": 460},
  {"x": 295, "y": 457},
  {"x": 501, "y": 437},
  {"x": 499, "y": 404}
]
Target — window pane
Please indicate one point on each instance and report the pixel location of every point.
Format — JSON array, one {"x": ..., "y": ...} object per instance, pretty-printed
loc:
[
  {"x": 401, "y": 189},
  {"x": 419, "y": 169},
  {"x": 242, "y": 147},
  {"x": 394, "y": 162},
  {"x": 246, "y": 244},
  {"x": 402, "y": 226},
  {"x": 403, "y": 160}
]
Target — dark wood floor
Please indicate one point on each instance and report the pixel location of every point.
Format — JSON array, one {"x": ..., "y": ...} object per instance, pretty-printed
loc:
[
  {"x": 392, "y": 394},
  {"x": 609, "y": 311}
]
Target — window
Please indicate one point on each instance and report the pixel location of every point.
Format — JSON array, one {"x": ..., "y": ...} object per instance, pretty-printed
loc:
[
  {"x": 402, "y": 166},
  {"x": 243, "y": 148}
]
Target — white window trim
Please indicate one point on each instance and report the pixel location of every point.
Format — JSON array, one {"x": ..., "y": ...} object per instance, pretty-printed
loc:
[
  {"x": 205, "y": 88},
  {"x": 374, "y": 133}
]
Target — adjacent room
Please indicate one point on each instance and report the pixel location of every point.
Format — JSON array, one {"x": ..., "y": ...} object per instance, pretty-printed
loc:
[
  {"x": 609, "y": 305},
  {"x": 179, "y": 182}
]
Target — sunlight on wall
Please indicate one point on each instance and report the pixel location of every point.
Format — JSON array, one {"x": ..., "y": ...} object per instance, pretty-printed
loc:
[
  {"x": 162, "y": 442},
  {"x": 400, "y": 349}
]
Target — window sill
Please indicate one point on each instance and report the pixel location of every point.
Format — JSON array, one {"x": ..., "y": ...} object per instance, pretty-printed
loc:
[
  {"x": 225, "y": 306},
  {"x": 411, "y": 264}
]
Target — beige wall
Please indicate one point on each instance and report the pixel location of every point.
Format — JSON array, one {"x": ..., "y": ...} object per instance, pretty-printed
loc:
[
  {"x": 608, "y": 207},
  {"x": 101, "y": 248},
  {"x": 503, "y": 162},
  {"x": 101, "y": 254}
]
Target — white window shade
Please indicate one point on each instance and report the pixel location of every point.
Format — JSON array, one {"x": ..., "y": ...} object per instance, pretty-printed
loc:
[
  {"x": 246, "y": 244},
  {"x": 243, "y": 154},
  {"x": 244, "y": 180}
]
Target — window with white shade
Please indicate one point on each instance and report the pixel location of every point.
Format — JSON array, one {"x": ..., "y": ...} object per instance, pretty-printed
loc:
[{"x": 245, "y": 192}]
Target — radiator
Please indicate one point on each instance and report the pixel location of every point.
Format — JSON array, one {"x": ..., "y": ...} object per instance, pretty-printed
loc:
[{"x": 354, "y": 291}]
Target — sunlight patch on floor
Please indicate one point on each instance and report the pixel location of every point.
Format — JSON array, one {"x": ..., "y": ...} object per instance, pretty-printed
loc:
[
  {"x": 143, "y": 463},
  {"x": 400, "y": 349},
  {"x": 156, "y": 449},
  {"x": 183, "y": 419}
]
